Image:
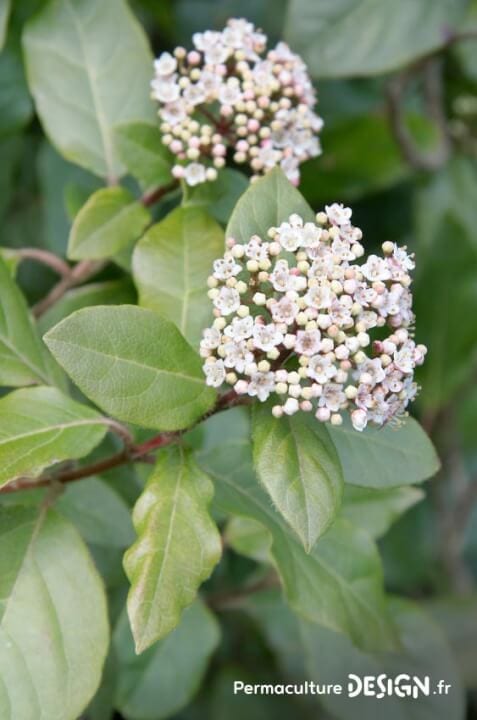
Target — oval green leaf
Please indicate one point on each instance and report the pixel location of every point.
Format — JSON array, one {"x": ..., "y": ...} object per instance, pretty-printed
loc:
[
  {"x": 84, "y": 82},
  {"x": 297, "y": 463},
  {"x": 177, "y": 548},
  {"x": 339, "y": 38},
  {"x": 40, "y": 427},
  {"x": 134, "y": 365},
  {"x": 266, "y": 204},
  {"x": 171, "y": 264},
  {"x": 385, "y": 457},
  {"x": 53, "y": 619},
  {"x": 110, "y": 220},
  {"x": 24, "y": 360},
  {"x": 142, "y": 151}
]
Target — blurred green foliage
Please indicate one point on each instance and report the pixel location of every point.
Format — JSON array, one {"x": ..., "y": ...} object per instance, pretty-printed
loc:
[{"x": 355, "y": 48}]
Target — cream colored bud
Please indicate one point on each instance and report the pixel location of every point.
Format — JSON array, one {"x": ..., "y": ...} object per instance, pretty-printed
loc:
[
  {"x": 259, "y": 298},
  {"x": 351, "y": 392}
]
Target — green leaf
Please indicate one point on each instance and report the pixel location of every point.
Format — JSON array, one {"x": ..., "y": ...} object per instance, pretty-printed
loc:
[
  {"x": 84, "y": 81},
  {"x": 338, "y": 38},
  {"x": 108, "y": 221},
  {"x": 304, "y": 650},
  {"x": 164, "y": 679},
  {"x": 423, "y": 652},
  {"x": 457, "y": 617},
  {"x": 218, "y": 197},
  {"x": 23, "y": 357},
  {"x": 16, "y": 107},
  {"x": 134, "y": 365},
  {"x": 249, "y": 538},
  {"x": 4, "y": 13},
  {"x": 376, "y": 510},
  {"x": 41, "y": 426},
  {"x": 385, "y": 457},
  {"x": 109, "y": 292},
  {"x": 177, "y": 548},
  {"x": 339, "y": 584},
  {"x": 443, "y": 194},
  {"x": 98, "y": 512},
  {"x": 53, "y": 618},
  {"x": 171, "y": 264},
  {"x": 296, "y": 462},
  {"x": 266, "y": 204},
  {"x": 142, "y": 151},
  {"x": 452, "y": 345},
  {"x": 348, "y": 170},
  {"x": 60, "y": 179}
]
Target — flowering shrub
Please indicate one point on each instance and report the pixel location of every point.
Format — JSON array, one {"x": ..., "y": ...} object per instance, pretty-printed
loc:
[
  {"x": 295, "y": 315},
  {"x": 228, "y": 94},
  {"x": 205, "y": 384}
]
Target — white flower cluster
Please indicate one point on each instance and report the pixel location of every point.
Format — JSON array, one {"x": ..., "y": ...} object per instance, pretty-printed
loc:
[
  {"x": 228, "y": 94},
  {"x": 295, "y": 314}
]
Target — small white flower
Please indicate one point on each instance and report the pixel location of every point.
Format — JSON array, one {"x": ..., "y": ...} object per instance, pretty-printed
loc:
[
  {"x": 374, "y": 370},
  {"x": 211, "y": 338},
  {"x": 308, "y": 342},
  {"x": 165, "y": 90},
  {"x": 194, "y": 174},
  {"x": 266, "y": 337},
  {"x": 226, "y": 267},
  {"x": 359, "y": 419},
  {"x": 173, "y": 113},
  {"x": 215, "y": 373},
  {"x": 165, "y": 65},
  {"x": 227, "y": 301},
  {"x": 332, "y": 397},
  {"x": 375, "y": 268},
  {"x": 338, "y": 214},
  {"x": 256, "y": 250},
  {"x": 230, "y": 93},
  {"x": 284, "y": 311},
  {"x": 280, "y": 277},
  {"x": 289, "y": 237},
  {"x": 404, "y": 358},
  {"x": 321, "y": 368},
  {"x": 319, "y": 296},
  {"x": 240, "y": 328},
  {"x": 311, "y": 235},
  {"x": 237, "y": 355},
  {"x": 261, "y": 384}
]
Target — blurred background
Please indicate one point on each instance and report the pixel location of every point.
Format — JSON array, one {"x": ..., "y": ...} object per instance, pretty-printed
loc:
[{"x": 397, "y": 89}]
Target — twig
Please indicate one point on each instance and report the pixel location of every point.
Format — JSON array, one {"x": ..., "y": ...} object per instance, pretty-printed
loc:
[
  {"x": 233, "y": 598},
  {"x": 152, "y": 197},
  {"x": 121, "y": 431},
  {"x": 130, "y": 453},
  {"x": 46, "y": 258},
  {"x": 396, "y": 88},
  {"x": 77, "y": 275}
]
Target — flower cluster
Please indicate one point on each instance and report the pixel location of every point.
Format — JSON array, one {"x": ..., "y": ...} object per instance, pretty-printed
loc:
[
  {"x": 228, "y": 94},
  {"x": 297, "y": 315}
]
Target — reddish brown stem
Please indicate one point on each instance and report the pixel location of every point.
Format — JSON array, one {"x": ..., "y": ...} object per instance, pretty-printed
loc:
[
  {"x": 130, "y": 453},
  {"x": 78, "y": 274},
  {"x": 44, "y": 257},
  {"x": 152, "y": 197}
]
